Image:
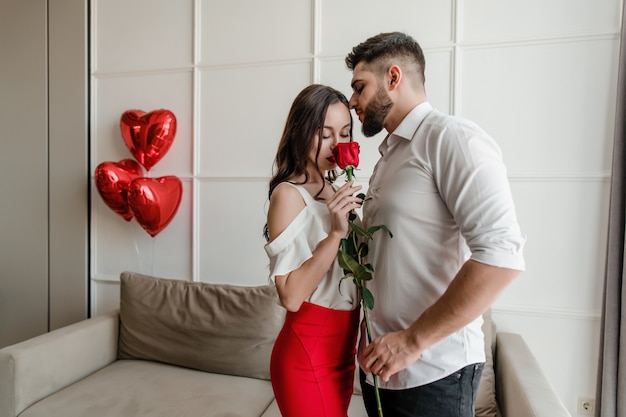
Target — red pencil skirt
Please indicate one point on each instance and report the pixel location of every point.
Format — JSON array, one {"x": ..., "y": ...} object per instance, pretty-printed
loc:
[{"x": 313, "y": 362}]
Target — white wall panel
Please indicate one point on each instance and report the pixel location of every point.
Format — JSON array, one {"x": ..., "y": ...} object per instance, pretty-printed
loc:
[
  {"x": 344, "y": 24},
  {"x": 242, "y": 113},
  {"x": 230, "y": 240},
  {"x": 550, "y": 106},
  {"x": 119, "y": 245},
  {"x": 496, "y": 20},
  {"x": 440, "y": 79},
  {"x": 332, "y": 71},
  {"x": 142, "y": 34},
  {"x": 106, "y": 296},
  {"x": 146, "y": 92},
  {"x": 237, "y": 31},
  {"x": 565, "y": 249}
]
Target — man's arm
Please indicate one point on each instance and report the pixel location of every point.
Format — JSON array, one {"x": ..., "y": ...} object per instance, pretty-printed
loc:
[{"x": 471, "y": 293}]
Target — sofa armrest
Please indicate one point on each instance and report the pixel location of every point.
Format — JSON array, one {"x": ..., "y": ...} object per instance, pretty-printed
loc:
[
  {"x": 522, "y": 388},
  {"x": 33, "y": 369}
]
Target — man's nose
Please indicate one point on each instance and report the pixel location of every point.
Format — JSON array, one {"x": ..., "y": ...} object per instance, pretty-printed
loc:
[{"x": 352, "y": 102}]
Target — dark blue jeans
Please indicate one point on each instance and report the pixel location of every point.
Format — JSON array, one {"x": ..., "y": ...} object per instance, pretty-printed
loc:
[{"x": 452, "y": 396}]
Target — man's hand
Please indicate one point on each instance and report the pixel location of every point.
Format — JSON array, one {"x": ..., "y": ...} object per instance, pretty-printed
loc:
[
  {"x": 388, "y": 354},
  {"x": 473, "y": 290}
]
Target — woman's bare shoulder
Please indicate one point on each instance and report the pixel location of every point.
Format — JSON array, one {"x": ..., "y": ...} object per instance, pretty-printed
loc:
[{"x": 285, "y": 204}]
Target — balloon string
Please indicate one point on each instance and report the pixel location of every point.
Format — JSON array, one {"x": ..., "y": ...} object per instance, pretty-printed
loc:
[
  {"x": 137, "y": 250},
  {"x": 144, "y": 258},
  {"x": 153, "y": 242}
]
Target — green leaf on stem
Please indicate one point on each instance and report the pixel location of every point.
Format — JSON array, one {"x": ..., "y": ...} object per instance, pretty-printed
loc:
[
  {"x": 368, "y": 298},
  {"x": 359, "y": 230},
  {"x": 374, "y": 229},
  {"x": 347, "y": 246},
  {"x": 348, "y": 263},
  {"x": 362, "y": 274}
]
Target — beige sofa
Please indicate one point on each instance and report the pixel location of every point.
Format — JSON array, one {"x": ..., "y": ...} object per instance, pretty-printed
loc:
[{"x": 178, "y": 348}]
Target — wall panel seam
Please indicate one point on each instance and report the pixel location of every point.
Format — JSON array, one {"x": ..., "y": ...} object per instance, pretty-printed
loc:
[
  {"x": 530, "y": 41},
  {"x": 142, "y": 72},
  {"x": 195, "y": 131},
  {"x": 316, "y": 39}
]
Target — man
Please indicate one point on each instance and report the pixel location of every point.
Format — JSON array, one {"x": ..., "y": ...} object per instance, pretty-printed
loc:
[{"x": 440, "y": 186}]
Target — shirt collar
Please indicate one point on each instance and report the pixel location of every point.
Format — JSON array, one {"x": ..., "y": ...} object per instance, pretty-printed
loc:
[{"x": 407, "y": 127}]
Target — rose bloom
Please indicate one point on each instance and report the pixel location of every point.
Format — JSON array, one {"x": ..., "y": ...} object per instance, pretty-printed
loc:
[{"x": 347, "y": 154}]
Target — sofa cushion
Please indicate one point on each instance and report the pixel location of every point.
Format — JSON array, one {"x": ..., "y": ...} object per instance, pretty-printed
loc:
[
  {"x": 131, "y": 388},
  {"x": 218, "y": 328}
]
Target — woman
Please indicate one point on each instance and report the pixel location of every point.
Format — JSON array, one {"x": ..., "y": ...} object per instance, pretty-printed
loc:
[{"x": 313, "y": 360}]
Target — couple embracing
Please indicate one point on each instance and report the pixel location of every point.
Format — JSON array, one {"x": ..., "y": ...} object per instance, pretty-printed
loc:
[{"x": 440, "y": 186}]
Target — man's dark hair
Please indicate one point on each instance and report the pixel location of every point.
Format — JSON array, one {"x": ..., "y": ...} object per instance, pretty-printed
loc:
[{"x": 378, "y": 49}]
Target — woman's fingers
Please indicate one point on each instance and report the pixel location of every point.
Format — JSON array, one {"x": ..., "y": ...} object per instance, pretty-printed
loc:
[
  {"x": 341, "y": 203},
  {"x": 344, "y": 195},
  {"x": 345, "y": 205}
]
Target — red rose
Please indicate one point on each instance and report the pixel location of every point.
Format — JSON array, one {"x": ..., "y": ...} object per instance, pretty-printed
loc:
[
  {"x": 347, "y": 154},
  {"x": 353, "y": 248}
]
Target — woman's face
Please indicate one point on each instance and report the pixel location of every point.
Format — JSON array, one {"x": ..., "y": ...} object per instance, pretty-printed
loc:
[{"x": 336, "y": 129}]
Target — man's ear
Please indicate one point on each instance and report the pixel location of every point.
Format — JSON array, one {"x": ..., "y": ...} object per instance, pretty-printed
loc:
[{"x": 394, "y": 75}]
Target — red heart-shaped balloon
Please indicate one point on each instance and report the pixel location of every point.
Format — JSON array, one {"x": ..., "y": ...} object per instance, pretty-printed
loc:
[
  {"x": 148, "y": 136},
  {"x": 112, "y": 182},
  {"x": 154, "y": 201}
]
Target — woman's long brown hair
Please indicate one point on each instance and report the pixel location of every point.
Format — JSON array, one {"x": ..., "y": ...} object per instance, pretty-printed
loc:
[{"x": 304, "y": 122}]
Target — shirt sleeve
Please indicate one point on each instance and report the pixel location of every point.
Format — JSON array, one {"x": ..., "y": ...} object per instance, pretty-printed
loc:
[
  {"x": 472, "y": 180},
  {"x": 291, "y": 248}
]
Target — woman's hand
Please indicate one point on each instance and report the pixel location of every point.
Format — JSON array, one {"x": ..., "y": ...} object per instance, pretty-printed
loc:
[{"x": 340, "y": 205}]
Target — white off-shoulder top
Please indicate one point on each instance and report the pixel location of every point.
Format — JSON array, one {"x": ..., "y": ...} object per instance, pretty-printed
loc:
[{"x": 289, "y": 250}]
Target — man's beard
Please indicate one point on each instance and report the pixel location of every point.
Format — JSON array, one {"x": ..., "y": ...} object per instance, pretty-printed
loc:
[{"x": 376, "y": 112}]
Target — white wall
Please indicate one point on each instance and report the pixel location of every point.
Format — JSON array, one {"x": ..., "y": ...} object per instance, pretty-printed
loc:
[{"x": 539, "y": 76}]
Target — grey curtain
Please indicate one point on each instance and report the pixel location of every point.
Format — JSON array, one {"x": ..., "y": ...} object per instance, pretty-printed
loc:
[{"x": 611, "y": 391}]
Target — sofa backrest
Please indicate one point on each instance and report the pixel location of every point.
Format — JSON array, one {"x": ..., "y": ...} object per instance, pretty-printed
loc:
[{"x": 219, "y": 328}]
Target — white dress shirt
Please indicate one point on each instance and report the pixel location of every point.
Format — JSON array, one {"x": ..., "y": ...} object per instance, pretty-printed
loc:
[{"x": 441, "y": 187}]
